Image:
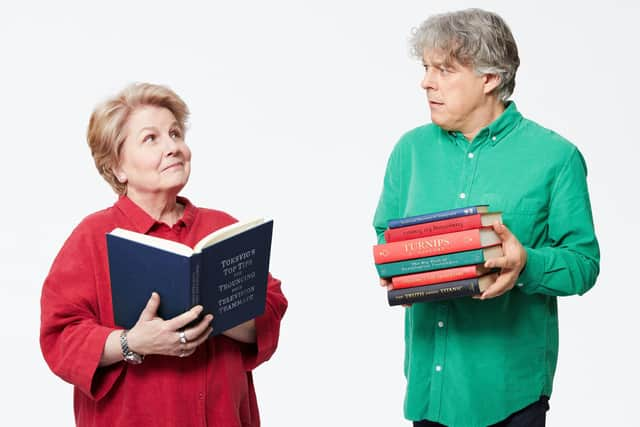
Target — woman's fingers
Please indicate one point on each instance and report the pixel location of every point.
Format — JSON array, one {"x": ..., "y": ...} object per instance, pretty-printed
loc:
[
  {"x": 186, "y": 350},
  {"x": 182, "y": 320},
  {"x": 195, "y": 332}
]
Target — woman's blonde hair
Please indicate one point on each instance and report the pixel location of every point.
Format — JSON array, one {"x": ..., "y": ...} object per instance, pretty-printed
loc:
[{"x": 106, "y": 131}]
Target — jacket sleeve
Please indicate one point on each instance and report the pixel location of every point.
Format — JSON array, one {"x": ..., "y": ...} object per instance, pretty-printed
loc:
[
  {"x": 569, "y": 264},
  {"x": 267, "y": 326},
  {"x": 72, "y": 338}
]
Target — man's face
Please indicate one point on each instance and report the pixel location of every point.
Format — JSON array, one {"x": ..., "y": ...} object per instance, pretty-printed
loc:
[{"x": 454, "y": 91}]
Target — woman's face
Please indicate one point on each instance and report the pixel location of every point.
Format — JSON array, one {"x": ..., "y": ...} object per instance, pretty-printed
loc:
[{"x": 154, "y": 157}]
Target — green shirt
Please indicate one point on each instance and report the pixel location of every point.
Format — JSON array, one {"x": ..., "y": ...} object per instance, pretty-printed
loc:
[{"x": 470, "y": 362}]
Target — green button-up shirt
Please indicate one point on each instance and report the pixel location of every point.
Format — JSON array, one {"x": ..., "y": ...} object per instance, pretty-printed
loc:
[{"x": 470, "y": 362}]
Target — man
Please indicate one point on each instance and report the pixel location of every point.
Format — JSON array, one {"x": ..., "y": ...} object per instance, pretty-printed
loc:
[{"x": 488, "y": 360}]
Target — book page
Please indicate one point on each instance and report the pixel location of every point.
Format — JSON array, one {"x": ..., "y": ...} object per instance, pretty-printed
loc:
[
  {"x": 154, "y": 242},
  {"x": 226, "y": 232}
]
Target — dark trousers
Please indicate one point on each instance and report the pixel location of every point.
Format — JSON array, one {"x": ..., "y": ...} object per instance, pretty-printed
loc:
[{"x": 533, "y": 415}]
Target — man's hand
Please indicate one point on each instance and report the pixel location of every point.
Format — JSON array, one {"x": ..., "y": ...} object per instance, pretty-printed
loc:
[
  {"x": 386, "y": 283},
  {"x": 510, "y": 265}
]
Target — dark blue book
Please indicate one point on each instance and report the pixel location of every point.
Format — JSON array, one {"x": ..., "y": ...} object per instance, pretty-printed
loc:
[
  {"x": 437, "y": 216},
  {"x": 226, "y": 273}
]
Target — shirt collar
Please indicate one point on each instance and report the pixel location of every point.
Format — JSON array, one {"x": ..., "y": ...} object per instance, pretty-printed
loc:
[
  {"x": 142, "y": 222},
  {"x": 504, "y": 124},
  {"x": 497, "y": 130}
]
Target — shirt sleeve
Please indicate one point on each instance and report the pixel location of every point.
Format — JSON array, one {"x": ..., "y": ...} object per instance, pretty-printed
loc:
[
  {"x": 71, "y": 337},
  {"x": 570, "y": 264},
  {"x": 388, "y": 204},
  {"x": 267, "y": 326}
]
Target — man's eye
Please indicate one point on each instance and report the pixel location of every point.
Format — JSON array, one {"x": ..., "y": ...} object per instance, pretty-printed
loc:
[
  {"x": 149, "y": 138},
  {"x": 175, "y": 134}
]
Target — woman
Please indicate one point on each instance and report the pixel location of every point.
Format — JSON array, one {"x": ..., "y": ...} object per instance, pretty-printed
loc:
[{"x": 161, "y": 371}]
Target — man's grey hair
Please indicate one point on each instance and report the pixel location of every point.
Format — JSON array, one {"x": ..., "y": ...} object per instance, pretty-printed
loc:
[{"x": 472, "y": 37}]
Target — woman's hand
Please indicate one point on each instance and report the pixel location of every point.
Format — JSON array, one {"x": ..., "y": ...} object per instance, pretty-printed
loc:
[{"x": 153, "y": 335}]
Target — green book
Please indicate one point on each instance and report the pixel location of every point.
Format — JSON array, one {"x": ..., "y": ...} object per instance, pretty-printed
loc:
[{"x": 438, "y": 262}]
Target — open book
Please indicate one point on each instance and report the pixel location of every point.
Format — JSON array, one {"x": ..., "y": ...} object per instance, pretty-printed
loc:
[{"x": 226, "y": 272}]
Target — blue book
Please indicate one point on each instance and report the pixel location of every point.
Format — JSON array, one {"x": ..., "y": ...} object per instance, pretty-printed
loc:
[
  {"x": 226, "y": 273},
  {"x": 437, "y": 216}
]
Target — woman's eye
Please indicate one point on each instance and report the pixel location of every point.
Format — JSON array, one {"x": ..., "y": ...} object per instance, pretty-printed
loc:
[
  {"x": 175, "y": 134},
  {"x": 149, "y": 138}
]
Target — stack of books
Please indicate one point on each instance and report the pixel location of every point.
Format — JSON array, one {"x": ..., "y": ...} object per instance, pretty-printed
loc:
[{"x": 439, "y": 255}]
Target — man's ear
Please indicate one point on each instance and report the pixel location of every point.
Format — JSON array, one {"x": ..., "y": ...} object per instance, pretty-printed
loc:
[{"x": 491, "y": 81}]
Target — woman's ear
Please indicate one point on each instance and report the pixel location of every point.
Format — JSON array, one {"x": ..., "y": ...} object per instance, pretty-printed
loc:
[{"x": 120, "y": 175}]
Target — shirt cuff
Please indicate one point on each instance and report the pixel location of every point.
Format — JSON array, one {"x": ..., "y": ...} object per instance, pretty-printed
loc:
[
  {"x": 530, "y": 278},
  {"x": 101, "y": 379}
]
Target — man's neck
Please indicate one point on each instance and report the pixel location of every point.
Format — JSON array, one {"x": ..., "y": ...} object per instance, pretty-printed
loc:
[{"x": 483, "y": 117}]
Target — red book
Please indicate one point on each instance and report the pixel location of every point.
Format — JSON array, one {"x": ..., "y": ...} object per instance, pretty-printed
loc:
[
  {"x": 441, "y": 227},
  {"x": 435, "y": 245},
  {"x": 438, "y": 276}
]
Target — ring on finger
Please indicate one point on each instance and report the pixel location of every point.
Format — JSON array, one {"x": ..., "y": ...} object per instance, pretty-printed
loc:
[{"x": 183, "y": 337}]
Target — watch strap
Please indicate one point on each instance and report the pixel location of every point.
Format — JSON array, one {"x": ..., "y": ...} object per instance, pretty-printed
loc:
[{"x": 128, "y": 355}]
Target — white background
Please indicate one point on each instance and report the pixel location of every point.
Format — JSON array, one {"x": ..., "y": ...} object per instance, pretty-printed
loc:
[{"x": 296, "y": 106}]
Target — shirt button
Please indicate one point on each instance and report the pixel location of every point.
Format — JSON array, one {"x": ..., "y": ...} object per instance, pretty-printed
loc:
[
  {"x": 438, "y": 368},
  {"x": 440, "y": 324},
  {"x": 462, "y": 195},
  {"x": 470, "y": 155},
  {"x": 520, "y": 285},
  {"x": 493, "y": 138}
]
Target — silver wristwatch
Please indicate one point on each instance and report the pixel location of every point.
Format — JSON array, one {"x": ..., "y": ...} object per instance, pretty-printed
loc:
[{"x": 128, "y": 355}]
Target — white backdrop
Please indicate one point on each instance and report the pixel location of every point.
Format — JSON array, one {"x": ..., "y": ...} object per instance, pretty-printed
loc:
[{"x": 296, "y": 106}]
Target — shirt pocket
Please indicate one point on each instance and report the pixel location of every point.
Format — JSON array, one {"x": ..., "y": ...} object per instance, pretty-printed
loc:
[{"x": 525, "y": 216}]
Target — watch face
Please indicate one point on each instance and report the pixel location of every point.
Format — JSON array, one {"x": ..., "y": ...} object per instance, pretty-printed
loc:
[{"x": 133, "y": 358}]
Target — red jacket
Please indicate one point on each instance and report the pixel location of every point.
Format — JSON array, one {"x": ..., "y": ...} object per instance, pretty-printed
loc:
[{"x": 213, "y": 387}]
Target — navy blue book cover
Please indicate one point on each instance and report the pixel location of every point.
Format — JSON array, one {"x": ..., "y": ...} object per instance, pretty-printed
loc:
[
  {"x": 228, "y": 278},
  {"x": 436, "y": 216},
  {"x": 435, "y": 292}
]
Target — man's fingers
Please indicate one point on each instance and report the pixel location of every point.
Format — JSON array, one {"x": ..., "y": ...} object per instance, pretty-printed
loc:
[
  {"x": 150, "y": 310},
  {"x": 184, "y": 319},
  {"x": 385, "y": 282},
  {"x": 503, "y": 263},
  {"x": 502, "y": 231},
  {"x": 503, "y": 283}
]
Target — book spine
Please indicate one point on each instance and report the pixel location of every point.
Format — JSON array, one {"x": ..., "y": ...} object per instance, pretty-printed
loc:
[
  {"x": 433, "y": 228},
  {"x": 449, "y": 290},
  {"x": 195, "y": 279},
  {"x": 430, "y": 217},
  {"x": 433, "y": 277},
  {"x": 430, "y": 263},
  {"x": 427, "y": 246}
]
